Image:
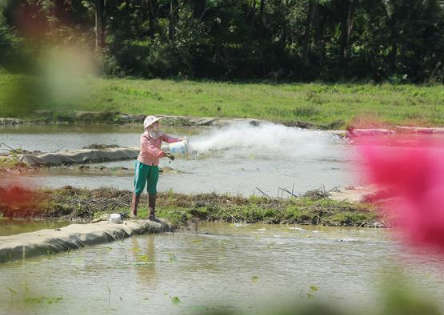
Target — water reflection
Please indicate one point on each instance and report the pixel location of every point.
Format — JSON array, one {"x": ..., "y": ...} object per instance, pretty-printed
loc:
[
  {"x": 11, "y": 227},
  {"x": 143, "y": 255},
  {"x": 237, "y": 266}
]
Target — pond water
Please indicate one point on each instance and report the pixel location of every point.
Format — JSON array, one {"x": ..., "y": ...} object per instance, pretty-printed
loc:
[
  {"x": 240, "y": 267},
  {"x": 236, "y": 159},
  {"x": 10, "y": 227}
]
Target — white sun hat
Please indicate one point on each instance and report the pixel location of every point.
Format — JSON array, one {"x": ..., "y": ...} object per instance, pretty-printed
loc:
[{"x": 149, "y": 120}]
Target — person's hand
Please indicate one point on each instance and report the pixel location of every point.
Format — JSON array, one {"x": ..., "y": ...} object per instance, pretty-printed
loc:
[{"x": 169, "y": 155}]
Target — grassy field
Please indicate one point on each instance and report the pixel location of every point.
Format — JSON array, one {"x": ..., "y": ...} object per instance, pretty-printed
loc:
[{"x": 321, "y": 105}]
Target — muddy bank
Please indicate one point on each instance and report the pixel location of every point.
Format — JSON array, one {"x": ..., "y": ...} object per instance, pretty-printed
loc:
[
  {"x": 80, "y": 156},
  {"x": 10, "y": 121},
  {"x": 48, "y": 117},
  {"x": 43, "y": 117},
  {"x": 74, "y": 236},
  {"x": 365, "y": 194},
  {"x": 20, "y": 161},
  {"x": 96, "y": 170},
  {"x": 314, "y": 208},
  {"x": 13, "y": 166},
  {"x": 356, "y": 194}
]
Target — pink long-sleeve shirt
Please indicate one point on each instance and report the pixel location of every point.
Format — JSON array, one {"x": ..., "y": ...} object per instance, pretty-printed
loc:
[{"x": 150, "y": 151}]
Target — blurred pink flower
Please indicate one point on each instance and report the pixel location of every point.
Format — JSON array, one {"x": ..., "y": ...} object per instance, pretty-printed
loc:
[
  {"x": 412, "y": 169},
  {"x": 18, "y": 198}
]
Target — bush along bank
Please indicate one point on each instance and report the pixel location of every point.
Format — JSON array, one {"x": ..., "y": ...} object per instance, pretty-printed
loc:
[
  {"x": 10, "y": 161},
  {"x": 85, "y": 205}
]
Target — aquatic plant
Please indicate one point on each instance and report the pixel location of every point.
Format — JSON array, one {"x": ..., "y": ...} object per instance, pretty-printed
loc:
[
  {"x": 43, "y": 299},
  {"x": 313, "y": 289},
  {"x": 25, "y": 290},
  {"x": 109, "y": 295},
  {"x": 28, "y": 299},
  {"x": 12, "y": 292},
  {"x": 173, "y": 258}
]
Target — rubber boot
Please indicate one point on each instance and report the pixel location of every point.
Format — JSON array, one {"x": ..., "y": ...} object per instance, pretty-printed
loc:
[
  {"x": 152, "y": 206},
  {"x": 134, "y": 205}
]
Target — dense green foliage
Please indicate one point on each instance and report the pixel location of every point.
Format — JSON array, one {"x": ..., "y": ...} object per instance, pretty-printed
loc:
[
  {"x": 394, "y": 40},
  {"x": 8, "y": 43}
]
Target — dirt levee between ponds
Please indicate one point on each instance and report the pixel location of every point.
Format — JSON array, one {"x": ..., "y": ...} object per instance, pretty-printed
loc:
[
  {"x": 80, "y": 156},
  {"x": 74, "y": 236}
]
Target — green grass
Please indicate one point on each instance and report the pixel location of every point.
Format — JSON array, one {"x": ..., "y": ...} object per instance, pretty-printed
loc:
[
  {"x": 74, "y": 203},
  {"x": 322, "y": 105},
  {"x": 11, "y": 162}
]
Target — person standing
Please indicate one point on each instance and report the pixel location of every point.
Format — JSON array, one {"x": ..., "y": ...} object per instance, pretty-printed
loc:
[{"x": 147, "y": 170}]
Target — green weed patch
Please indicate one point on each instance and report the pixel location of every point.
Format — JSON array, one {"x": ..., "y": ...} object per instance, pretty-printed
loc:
[{"x": 84, "y": 204}]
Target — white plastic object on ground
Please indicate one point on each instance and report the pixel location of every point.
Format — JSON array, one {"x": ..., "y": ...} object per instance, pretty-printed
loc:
[{"x": 115, "y": 218}]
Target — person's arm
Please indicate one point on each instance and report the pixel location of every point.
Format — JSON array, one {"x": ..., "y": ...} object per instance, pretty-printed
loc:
[
  {"x": 169, "y": 139},
  {"x": 146, "y": 146}
]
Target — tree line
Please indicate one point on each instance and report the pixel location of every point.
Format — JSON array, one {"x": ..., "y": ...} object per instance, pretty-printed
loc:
[{"x": 279, "y": 40}]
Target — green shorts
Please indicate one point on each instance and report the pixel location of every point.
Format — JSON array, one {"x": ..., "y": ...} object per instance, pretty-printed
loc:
[{"x": 145, "y": 173}]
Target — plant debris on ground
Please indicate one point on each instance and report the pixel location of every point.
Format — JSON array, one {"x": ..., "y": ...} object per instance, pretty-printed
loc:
[{"x": 85, "y": 205}]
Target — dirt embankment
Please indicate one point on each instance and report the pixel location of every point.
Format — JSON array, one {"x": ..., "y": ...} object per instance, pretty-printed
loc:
[
  {"x": 48, "y": 117},
  {"x": 74, "y": 236},
  {"x": 42, "y": 117},
  {"x": 85, "y": 205},
  {"x": 20, "y": 161}
]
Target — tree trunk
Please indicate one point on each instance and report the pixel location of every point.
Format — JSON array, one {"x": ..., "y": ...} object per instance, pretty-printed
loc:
[
  {"x": 347, "y": 22},
  {"x": 199, "y": 8},
  {"x": 59, "y": 10},
  {"x": 319, "y": 47},
  {"x": 307, "y": 32},
  {"x": 100, "y": 29},
  {"x": 151, "y": 18},
  {"x": 154, "y": 7},
  {"x": 344, "y": 28},
  {"x": 351, "y": 20},
  {"x": 252, "y": 14},
  {"x": 261, "y": 9},
  {"x": 253, "y": 8},
  {"x": 393, "y": 43},
  {"x": 171, "y": 19},
  {"x": 393, "y": 56},
  {"x": 144, "y": 12}
]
